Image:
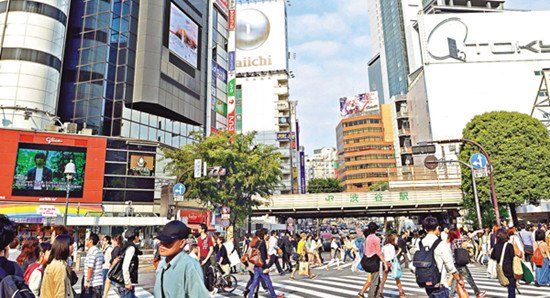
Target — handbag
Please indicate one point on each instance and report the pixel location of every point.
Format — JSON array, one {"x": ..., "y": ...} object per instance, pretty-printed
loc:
[
  {"x": 528, "y": 276},
  {"x": 256, "y": 258},
  {"x": 518, "y": 269},
  {"x": 396, "y": 268},
  {"x": 115, "y": 272},
  {"x": 502, "y": 279},
  {"x": 443, "y": 292},
  {"x": 371, "y": 264},
  {"x": 461, "y": 291},
  {"x": 303, "y": 269}
]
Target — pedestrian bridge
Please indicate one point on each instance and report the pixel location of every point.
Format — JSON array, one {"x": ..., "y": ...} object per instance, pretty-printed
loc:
[{"x": 362, "y": 204}]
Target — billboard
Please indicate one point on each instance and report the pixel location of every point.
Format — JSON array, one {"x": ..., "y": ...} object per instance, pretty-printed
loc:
[
  {"x": 142, "y": 165},
  {"x": 467, "y": 38},
  {"x": 261, "y": 36},
  {"x": 366, "y": 102},
  {"x": 184, "y": 36},
  {"x": 39, "y": 170},
  {"x": 34, "y": 165}
]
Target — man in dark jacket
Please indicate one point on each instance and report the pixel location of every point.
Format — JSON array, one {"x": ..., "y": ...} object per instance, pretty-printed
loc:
[
  {"x": 402, "y": 244},
  {"x": 7, "y": 234},
  {"x": 130, "y": 264},
  {"x": 39, "y": 172}
]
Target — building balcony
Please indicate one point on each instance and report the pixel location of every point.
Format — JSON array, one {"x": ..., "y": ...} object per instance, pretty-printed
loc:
[
  {"x": 405, "y": 131},
  {"x": 403, "y": 114},
  {"x": 283, "y": 106},
  {"x": 406, "y": 150},
  {"x": 401, "y": 98},
  {"x": 280, "y": 90}
]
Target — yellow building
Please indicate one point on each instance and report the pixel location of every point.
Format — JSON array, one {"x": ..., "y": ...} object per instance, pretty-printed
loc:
[{"x": 365, "y": 149}]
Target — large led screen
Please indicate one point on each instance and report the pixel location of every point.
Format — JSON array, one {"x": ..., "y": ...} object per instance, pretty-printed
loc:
[
  {"x": 184, "y": 36},
  {"x": 39, "y": 170}
]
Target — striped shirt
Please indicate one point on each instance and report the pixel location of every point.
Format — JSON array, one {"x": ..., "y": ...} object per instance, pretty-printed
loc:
[{"x": 94, "y": 260}]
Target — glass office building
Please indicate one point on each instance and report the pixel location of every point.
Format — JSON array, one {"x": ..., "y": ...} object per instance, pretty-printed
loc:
[
  {"x": 110, "y": 83},
  {"x": 395, "y": 46}
]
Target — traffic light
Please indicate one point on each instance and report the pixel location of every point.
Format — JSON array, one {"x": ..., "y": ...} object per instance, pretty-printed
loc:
[{"x": 216, "y": 172}]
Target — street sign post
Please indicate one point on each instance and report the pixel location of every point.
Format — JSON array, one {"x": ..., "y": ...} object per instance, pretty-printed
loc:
[
  {"x": 198, "y": 168},
  {"x": 431, "y": 162},
  {"x": 478, "y": 161},
  {"x": 480, "y": 173},
  {"x": 179, "y": 189}
]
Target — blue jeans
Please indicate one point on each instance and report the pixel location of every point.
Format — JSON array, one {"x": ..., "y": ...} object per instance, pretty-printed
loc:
[
  {"x": 122, "y": 292},
  {"x": 346, "y": 254},
  {"x": 105, "y": 271},
  {"x": 259, "y": 274}
]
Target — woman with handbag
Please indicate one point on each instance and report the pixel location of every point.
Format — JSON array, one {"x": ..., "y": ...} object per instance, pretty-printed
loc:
[
  {"x": 371, "y": 260},
  {"x": 302, "y": 257},
  {"x": 258, "y": 257},
  {"x": 389, "y": 251},
  {"x": 458, "y": 245},
  {"x": 56, "y": 281},
  {"x": 543, "y": 272},
  {"x": 503, "y": 253}
]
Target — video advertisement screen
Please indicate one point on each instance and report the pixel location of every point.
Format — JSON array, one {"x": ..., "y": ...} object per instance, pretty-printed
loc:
[
  {"x": 40, "y": 170},
  {"x": 184, "y": 36}
]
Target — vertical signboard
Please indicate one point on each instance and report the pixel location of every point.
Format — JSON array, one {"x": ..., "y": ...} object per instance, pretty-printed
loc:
[
  {"x": 239, "y": 109},
  {"x": 302, "y": 172},
  {"x": 231, "y": 75}
]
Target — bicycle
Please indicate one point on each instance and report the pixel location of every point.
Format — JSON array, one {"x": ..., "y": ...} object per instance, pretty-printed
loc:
[{"x": 226, "y": 283}]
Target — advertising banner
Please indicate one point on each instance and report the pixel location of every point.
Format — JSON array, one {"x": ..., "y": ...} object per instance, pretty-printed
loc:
[
  {"x": 184, "y": 36},
  {"x": 231, "y": 61},
  {"x": 34, "y": 165},
  {"x": 285, "y": 136},
  {"x": 232, "y": 19},
  {"x": 302, "y": 172},
  {"x": 366, "y": 102},
  {"x": 221, "y": 107},
  {"x": 261, "y": 36},
  {"x": 219, "y": 72},
  {"x": 222, "y": 5},
  {"x": 142, "y": 165}
]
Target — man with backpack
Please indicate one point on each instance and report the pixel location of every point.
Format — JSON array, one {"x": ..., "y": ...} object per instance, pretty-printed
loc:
[
  {"x": 433, "y": 260},
  {"x": 12, "y": 283},
  {"x": 130, "y": 264}
]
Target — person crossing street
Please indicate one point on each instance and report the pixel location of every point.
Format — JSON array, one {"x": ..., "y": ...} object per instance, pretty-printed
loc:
[{"x": 93, "y": 274}]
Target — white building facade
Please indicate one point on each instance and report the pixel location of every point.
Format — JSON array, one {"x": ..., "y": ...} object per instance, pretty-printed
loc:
[{"x": 322, "y": 164}]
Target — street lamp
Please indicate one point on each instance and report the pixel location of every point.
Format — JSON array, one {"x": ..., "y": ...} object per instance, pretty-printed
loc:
[{"x": 70, "y": 170}]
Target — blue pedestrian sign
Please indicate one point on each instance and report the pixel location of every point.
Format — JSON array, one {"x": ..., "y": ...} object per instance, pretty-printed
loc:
[
  {"x": 478, "y": 161},
  {"x": 179, "y": 189}
]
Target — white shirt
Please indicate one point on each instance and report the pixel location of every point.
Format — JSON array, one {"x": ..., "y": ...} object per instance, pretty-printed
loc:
[
  {"x": 13, "y": 254},
  {"x": 129, "y": 254},
  {"x": 443, "y": 256},
  {"x": 272, "y": 249},
  {"x": 107, "y": 257},
  {"x": 38, "y": 177},
  {"x": 35, "y": 280},
  {"x": 334, "y": 245},
  {"x": 388, "y": 251}
]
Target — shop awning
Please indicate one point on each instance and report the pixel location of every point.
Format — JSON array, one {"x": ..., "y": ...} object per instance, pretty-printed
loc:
[{"x": 117, "y": 221}]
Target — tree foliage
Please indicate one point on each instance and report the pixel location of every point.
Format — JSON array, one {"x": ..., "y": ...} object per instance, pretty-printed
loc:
[
  {"x": 251, "y": 169},
  {"x": 519, "y": 148},
  {"x": 324, "y": 185},
  {"x": 379, "y": 186}
]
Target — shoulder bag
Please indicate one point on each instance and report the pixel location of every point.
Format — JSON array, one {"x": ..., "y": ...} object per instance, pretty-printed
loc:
[{"x": 502, "y": 279}]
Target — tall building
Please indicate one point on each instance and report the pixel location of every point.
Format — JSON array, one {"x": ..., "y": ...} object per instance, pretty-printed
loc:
[
  {"x": 322, "y": 164},
  {"x": 365, "y": 144},
  {"x": 32, "y": 42},
  {"x": 262, "y": 87},
  {"x": 216, "y": 95}
]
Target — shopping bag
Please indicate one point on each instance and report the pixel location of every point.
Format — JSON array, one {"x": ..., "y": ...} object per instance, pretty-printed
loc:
[
  {"x": 502, "y": 279},
  {"x": 492, "y": 268},
  {"x": 304, "y": 269},
  {"x": 528, "y": 276},
  {"x": 396, "y": 268},
  {"x": 518, "y": 269}
]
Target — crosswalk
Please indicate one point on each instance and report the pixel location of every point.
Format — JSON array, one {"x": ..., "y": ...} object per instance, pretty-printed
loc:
[
  {"x": 345, "y": 283},
  {"x": 139, "y": 291}
]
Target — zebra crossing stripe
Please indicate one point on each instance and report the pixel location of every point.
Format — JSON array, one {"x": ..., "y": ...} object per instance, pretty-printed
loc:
[
  {"x": 307, "y": 291},
  {"x": 386, "y": 286}
]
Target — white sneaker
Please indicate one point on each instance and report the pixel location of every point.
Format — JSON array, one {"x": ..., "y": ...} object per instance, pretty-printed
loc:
[{"x": 214, "y": 292}]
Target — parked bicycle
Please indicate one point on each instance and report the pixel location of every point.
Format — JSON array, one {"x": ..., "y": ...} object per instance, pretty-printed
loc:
[{"x": 226, "y": 283}]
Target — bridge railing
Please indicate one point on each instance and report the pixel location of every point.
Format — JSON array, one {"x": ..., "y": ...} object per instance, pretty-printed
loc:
[{"x": 365, "y": 200}]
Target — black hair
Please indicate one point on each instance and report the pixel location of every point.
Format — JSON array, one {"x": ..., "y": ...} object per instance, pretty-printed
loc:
[
  {"x": 7, "y": 231},
  {"x": 429, "y": 224},
  {"x": 372, "y": 227},
  {"x": 40, "y": 155},
  {"x": 204, "y": 227},
  {"x": 273, "y": 233},
  {"x": 502, "y": 236},
  {"x": 539, "y": 235},
  {"x": 94, "y": 238},
  {"x": 45, "y": 246},
  {"x": 61, "y": 248},
  {"x": 108, "y": 238}
]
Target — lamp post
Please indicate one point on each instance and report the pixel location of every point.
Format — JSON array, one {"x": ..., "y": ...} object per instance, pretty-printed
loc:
[{"x": 70, "y": 170}]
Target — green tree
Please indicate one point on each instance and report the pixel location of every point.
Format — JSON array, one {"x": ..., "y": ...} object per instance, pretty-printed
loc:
[
  {"x": 379, "y": 186},
  {"x": 519, "y": 148},
  {"x": 250, "y": 170},
  {"x": 324, "y": 185}
]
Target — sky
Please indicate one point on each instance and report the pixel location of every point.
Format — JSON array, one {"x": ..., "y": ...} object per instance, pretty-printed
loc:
[{"x": 331, "y": 41}]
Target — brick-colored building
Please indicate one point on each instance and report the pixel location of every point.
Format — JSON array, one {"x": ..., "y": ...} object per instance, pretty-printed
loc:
[{"x": 365, "y": 149}]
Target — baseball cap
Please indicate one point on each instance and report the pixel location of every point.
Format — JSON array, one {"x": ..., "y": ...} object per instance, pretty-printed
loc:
[{"x": 172, "y": 231}]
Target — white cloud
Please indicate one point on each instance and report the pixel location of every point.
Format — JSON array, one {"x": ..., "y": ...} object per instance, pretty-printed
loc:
[
  {"x": 312, "y": 25},
  {"x": 361, "y": 41},
  {"x": 318, "y": 49}
]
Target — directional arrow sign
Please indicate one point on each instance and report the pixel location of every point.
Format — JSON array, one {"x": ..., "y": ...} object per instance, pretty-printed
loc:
[
  {"x": 478, "y": 161},
  {"x": 179, "y": 189}
]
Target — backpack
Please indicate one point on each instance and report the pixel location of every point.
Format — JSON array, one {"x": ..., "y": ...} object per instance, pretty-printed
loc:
[
  {"x": 12, "y": 285},
  {"x": 427, "y": 274},
  {"x": 462, "y": 256},
  {"x": 537, "y": 258}
]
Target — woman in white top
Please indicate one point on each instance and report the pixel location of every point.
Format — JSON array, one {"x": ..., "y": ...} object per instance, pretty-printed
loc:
[
  {"x": 390, "y": 250},
  {"x": 33, "y": 274},
  {"x": 334, "y": 253},
  {"x": 107, "y": 249}
]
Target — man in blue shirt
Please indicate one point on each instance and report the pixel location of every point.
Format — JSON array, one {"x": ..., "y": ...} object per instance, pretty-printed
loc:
[{"x": 178, "y": 275}]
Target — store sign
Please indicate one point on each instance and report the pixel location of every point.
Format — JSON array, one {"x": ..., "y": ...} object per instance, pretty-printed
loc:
[
  {"x": 51, "y": 140},
  {"x": 47, "y": 211},
  {"x": 231, "y": 61},
  {"x": 219, "y": 72},
  {"x": 193, "y": 217},
  {"x": 511, "y": 36},
  {"x": 282, "y": 136},
  {"x": 232, "y": 19}
]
